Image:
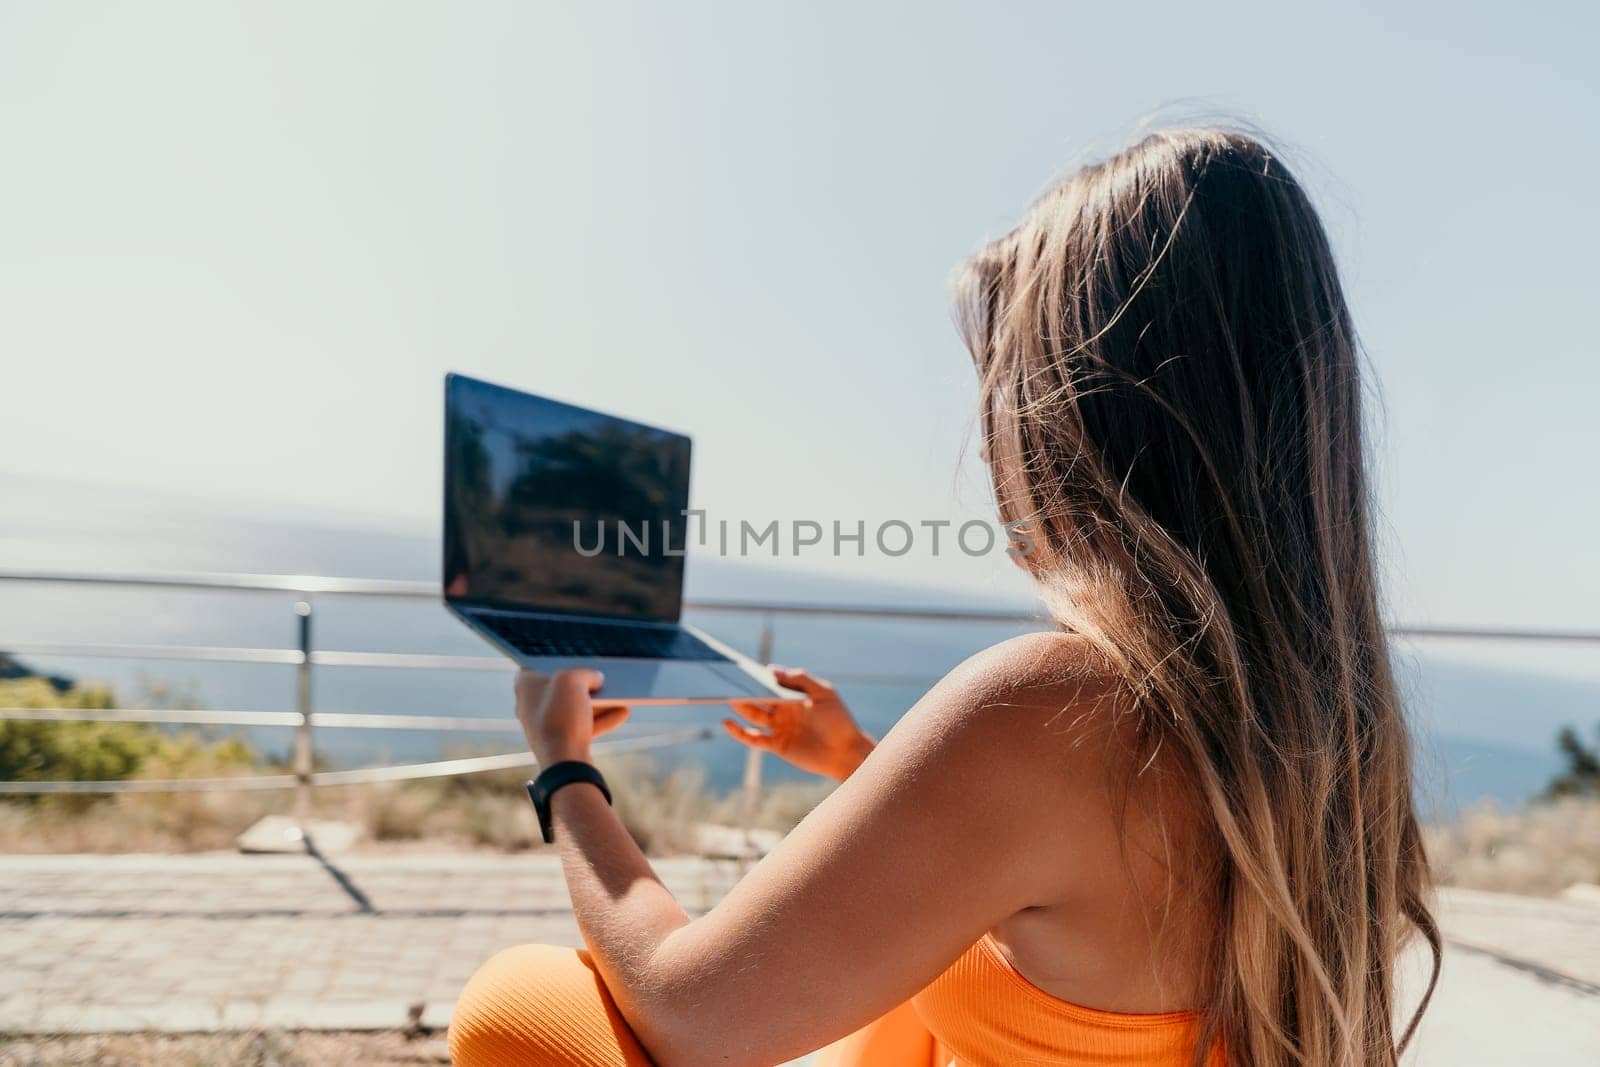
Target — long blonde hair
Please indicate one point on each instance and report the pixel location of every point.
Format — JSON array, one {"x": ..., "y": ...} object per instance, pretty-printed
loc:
[{"x": 1171, "y": 403}]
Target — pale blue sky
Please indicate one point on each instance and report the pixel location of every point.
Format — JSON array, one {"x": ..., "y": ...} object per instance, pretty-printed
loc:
[{"x": 240, "y": 246}]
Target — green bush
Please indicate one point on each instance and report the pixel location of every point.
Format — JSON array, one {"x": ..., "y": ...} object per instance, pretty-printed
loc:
[
  {"x": 1581, "y": 776},
  {"x": 35, "y": 751}
]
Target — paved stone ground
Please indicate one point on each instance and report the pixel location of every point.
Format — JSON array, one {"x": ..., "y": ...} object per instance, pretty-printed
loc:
[
  {"x": 220, "y": 942},
  {"x": 111, "y": 943}
]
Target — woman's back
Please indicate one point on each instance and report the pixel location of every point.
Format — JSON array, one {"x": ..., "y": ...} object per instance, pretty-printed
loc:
[
  {"x": 1106, "y": 964},
  {"x": 1127, "y": 929}
]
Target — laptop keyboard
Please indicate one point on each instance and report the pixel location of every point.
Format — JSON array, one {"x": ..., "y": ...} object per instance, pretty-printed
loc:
[{"x": 580, "y": 640}]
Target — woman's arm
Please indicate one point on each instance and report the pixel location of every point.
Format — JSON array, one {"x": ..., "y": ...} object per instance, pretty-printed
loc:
[{"x": 955, "y": 822}]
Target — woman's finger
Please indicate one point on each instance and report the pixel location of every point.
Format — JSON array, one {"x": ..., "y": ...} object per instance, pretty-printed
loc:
[
  {"x": 759, "y": 714},
  {"x": 805, "y": 681},
  {"x": 745, "y": 735},
  {"x": 608, "y": 719}
]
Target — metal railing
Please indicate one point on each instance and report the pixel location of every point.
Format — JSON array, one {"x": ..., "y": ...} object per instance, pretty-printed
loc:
[{"x": 305, "y": 658}]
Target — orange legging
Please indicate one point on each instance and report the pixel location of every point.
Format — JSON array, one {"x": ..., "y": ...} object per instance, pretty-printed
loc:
[
  {"x": 543, "y": 1006},
  {"x": 535, "y": 1005}
]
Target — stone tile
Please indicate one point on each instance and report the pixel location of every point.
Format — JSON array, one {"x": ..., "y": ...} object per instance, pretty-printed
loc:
[{"x": 112, "y": 943}]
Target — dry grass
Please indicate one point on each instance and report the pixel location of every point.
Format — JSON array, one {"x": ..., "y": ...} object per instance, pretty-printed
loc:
[
  {"x": 184, "y": 822},
  {"x": 1538, "y": 851},
  {"x": 484, "y": 811},
  {"x": 266, "y": 1049}
]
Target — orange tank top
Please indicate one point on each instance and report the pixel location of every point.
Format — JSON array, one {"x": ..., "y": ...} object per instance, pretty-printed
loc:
[{"x": 983, "y": 1013}]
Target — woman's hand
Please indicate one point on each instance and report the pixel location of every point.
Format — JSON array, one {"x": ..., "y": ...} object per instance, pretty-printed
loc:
[
  {"x": 557, "y": 716},
  {"x": 819, "y": 735}
]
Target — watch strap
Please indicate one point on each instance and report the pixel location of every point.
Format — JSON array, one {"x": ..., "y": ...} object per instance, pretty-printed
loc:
[{"x": 552, "y": 778}]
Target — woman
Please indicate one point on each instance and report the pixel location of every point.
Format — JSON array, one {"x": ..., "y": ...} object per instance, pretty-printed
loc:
[{"x": 1177, "y": 828}]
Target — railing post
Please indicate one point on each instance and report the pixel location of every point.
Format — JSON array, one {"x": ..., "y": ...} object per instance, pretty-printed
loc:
[
  {"x": 752, "y": 757},
  {"x": 304, "y": 758}
]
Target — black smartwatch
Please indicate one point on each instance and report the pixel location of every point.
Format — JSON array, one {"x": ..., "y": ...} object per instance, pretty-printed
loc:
[{"x": 553, "y": 777}]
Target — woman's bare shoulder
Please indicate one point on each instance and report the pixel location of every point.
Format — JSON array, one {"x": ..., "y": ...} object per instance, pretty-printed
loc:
[
  {"x": 1038, "y": 697},
  {"x": 1048, "y": 669}
]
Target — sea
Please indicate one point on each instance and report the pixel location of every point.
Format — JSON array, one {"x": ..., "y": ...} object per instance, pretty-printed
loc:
[{"x": 1484, "y": 725}]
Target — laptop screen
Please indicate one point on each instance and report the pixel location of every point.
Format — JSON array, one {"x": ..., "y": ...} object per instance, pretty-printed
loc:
[{"x": 556, "y": 508}]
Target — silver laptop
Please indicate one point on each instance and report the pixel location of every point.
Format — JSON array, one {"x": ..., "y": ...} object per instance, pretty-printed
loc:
[{"x": 565, "y": 536}]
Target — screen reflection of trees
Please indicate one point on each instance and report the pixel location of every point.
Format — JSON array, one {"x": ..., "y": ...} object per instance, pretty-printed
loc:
[{"x": 516, "y": 538}]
